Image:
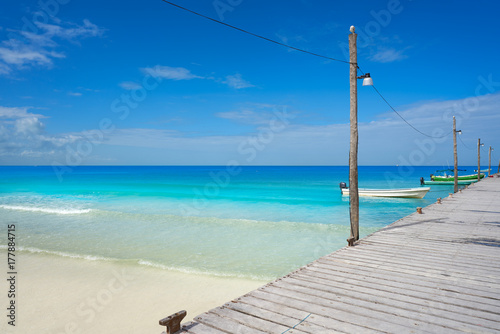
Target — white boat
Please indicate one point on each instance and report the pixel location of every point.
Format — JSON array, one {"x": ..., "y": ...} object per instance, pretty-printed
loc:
[{"x": 401, "y": 193}]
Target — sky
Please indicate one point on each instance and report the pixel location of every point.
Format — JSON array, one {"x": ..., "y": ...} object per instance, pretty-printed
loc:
[{"x": 146, "y": 83}]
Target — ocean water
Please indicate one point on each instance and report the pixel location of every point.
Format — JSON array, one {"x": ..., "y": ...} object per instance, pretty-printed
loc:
[{"x": 248, "y": 222}]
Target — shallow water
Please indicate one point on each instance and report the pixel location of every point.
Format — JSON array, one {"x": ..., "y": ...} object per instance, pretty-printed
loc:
[{"x": 248, "y": 222}]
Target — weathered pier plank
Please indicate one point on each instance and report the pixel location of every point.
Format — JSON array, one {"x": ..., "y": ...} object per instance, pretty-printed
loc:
[{"x": 435, "y": 272}]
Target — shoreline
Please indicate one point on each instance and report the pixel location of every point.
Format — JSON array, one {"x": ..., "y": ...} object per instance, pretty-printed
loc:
[{"x": 58, "y": 295}]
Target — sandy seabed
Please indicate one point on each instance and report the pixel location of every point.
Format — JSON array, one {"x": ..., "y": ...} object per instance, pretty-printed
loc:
[{"x": 58, "y": 295}]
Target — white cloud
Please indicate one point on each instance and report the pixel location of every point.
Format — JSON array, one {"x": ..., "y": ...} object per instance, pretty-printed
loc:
[
  {"x": 138, "y": 137},
  {"x": 129, "y": 85},
  {"x": 434, "y": 113},
  {"x": 74, "y": 94},
  {"x": 30, "y": 49},
  {"x": 384, "y": 140},
  {"x": 180, "y": 73},
  {"x": 22, "y": 134},
  {"x": 388, "y": 55},
  {"x": 246, "y": 116},
  {"x": 4, "y": 69},
  {"x": 172, "y": 73},
  {"x": 17, "y": 53},
  {"x": 252, "y": 113},
  {"x": 15, "y": 113},
  {"x": 237, "y": 82},
  {"x": 237, "y": 115},
  {"x": 71, "y": 32},
  {"x": 28, "y": 126}
]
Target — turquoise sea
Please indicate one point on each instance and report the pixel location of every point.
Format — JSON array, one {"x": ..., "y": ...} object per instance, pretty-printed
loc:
[{"x": 248, "y": 222}]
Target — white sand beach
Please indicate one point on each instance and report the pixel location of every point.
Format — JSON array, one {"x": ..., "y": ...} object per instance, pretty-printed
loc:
[{"x": 57, "y": 295}]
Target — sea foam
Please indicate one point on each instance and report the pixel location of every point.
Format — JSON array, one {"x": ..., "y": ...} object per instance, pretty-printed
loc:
[
  {"x": 192, "y": 271},
  {"x": 62, "y": 254},
  {"x": 57, "y": 211}
]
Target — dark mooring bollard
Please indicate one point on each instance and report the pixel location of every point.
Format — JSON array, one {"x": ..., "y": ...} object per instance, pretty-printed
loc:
[{"x": 173, "y": 322}]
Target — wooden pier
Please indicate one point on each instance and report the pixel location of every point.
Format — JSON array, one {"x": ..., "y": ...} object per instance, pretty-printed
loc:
[{"x": 435, "y": 272}]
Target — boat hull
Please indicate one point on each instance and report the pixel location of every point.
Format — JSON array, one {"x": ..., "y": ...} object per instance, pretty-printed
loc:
[
  {"x": 450, "y": 182},
  {"x": 460, "y": 177},
  {"x": 399, "y": 193}
]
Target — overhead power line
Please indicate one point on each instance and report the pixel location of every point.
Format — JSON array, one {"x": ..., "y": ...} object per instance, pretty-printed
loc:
[
  {"x": 305, "y": 51},
  {"x": 467, "y": 147},
  {"x": 400, "y": 116},
  {"x": 255, "y": 35},
  {"x": 409, "y": 124}
]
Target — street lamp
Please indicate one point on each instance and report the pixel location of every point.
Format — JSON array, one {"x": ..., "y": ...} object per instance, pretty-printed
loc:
[
  {"x": 479, "y": 144},
  {"x": 489, "y": 162},
  {"x": 455, "y": 169},
  {"x": 353, "y": 147},
  {"x": 367, "y": 80}
]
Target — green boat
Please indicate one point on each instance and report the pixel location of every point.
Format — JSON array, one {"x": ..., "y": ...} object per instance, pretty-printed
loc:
[
  {"x": 449, "y": 183},
  {"x": 451, "y": 178}
]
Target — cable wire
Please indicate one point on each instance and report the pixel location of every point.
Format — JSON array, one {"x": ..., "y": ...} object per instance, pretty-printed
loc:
[
  {"x": 308, "y": 52},
  {"x": 467, "y": 147},
  {"x": 400, "y": 116},
  {"x": 255, "y": 35},
  {"x": 409, "y": 124}
]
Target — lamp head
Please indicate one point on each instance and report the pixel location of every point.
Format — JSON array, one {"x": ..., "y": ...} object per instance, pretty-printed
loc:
[
  {"x": 367, "y": 80},
  {"x": 459, "y": 132}
]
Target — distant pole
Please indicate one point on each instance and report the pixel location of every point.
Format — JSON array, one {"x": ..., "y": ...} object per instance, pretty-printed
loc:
[
  {"x": 479, "y": 159},
  {"x": 353, "y": 151},
  {"x": 455, "y": 168},
  {"x": 489, "y": 163}
]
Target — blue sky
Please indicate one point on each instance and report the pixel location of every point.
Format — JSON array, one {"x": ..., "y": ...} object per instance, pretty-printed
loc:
[{"x": 129, "y": 82}]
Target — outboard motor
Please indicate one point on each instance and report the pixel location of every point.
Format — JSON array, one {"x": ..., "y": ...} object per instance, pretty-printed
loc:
[
  {"x": 422, "y": 181},
  {"x": 343, "y": 185}
]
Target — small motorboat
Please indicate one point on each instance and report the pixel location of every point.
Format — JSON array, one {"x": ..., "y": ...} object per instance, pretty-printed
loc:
[
  {"x": 446, "y": 177},
  {"x": 399, "y": 193},
  {"x": 448, "y": 183}
]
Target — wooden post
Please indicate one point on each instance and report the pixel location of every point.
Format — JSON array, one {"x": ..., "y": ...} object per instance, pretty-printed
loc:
[
  {"x": 455, "y": 168},
  {"x": 498, "y": 170},
  {"x": 479, "y": 159},
  {"x": 353, "y": 150},
  {"x": 489, "y": 163}
]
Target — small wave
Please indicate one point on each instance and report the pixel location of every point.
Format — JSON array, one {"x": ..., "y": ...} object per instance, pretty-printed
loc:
[
  {"x": 46, "y": 210},
  {"x": 205, "y": 273},
  {"x": 142, "y": 263},
  {"x": 192, "y": 219},
  {"x": 63, "y": 254}
]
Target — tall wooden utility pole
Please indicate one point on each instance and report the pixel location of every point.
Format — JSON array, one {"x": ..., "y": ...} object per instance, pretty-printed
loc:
[
  {"x": 455, "y": 166},
  {"x": 479, "y": 159},
  {"x": 353, "y": 151},
  {"x": 489, "y": 163}
]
